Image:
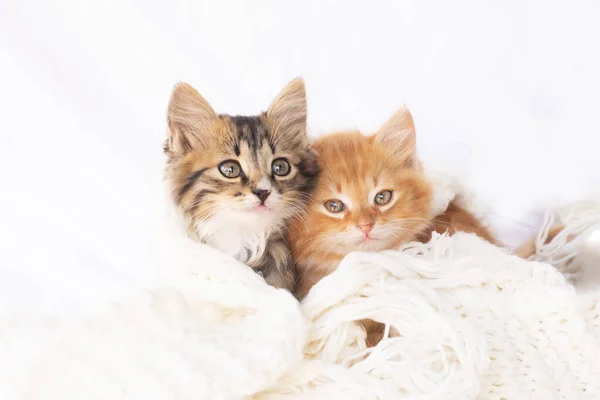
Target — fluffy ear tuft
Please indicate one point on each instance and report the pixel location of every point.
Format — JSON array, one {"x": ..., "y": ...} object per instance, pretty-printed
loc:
[
  {"x": 288, "y": 113},
  {"x": 189, "y": 119},
  {"x": 398, "y": 135}
]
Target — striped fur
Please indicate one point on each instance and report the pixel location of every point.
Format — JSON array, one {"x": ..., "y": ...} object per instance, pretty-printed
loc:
[{"x": 226, "y": 212}]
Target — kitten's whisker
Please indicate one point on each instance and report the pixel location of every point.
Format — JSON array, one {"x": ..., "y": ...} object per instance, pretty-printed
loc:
[
  {"x": 298, "y": 212},
  {"x": 306, "y": 195},
  {"x": 324, "y": 250},
  {"x": 323, "y": 242}
]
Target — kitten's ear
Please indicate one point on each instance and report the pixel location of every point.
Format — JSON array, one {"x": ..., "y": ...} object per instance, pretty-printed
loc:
[
  {"x": 398, "y": 135},
  {"x": 288, "y": 113},
  {"x": 189, "y": 119}
]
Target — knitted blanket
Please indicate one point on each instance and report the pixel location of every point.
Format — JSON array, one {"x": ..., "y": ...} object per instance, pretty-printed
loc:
[{"x": 464, "y": 320}]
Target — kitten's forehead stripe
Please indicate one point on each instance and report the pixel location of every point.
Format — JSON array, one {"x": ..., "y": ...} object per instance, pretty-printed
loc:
[{"x": 251, "y": 130}]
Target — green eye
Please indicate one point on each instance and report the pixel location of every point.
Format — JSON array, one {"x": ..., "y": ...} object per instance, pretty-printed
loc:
[
  {"x": 334, "y": 206},
  {"x": 383, "y": 197},
  {"x": 281, "y": 167},
  {"x": 230, "y": 169}
]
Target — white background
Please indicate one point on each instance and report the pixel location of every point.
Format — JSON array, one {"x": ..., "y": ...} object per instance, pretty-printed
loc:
[{"x": 504, "y": 94}]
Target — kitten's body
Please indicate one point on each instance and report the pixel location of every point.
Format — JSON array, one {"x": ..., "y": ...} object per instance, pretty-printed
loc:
[
  {"x": 457, "y": 219},
  {"x": 226, "y": 176}
]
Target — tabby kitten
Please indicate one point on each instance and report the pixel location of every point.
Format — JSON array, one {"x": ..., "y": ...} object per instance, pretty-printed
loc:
[
  {"x": 371, "y": 195},
  {"x": 238, "y": 180}
]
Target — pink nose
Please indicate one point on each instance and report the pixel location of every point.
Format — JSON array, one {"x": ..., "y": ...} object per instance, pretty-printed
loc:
[{"x": 365, "y": 228}]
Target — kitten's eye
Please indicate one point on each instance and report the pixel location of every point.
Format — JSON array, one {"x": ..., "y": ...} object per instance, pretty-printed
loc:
[
  {"x": 281, "y": 167},
  {"x": 230, "y": 169},
  {"x": 383, "y": 197},
  {"x": 334, "y": 206}
]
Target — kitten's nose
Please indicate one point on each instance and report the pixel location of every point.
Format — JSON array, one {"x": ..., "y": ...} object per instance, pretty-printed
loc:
[
  {"x": 262, "y": 194},
  {"x": 365, "y": 228}
]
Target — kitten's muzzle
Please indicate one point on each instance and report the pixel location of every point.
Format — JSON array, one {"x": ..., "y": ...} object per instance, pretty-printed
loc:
[{"x": 261, "y": 194}]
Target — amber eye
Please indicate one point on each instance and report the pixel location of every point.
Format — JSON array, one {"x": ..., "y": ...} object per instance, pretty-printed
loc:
[
  {"x": 383, "y": 197},
  {"x": 334, "y": 206},
  {"x": 281, "y": 167},
  {"x": 230, "y": 169}
]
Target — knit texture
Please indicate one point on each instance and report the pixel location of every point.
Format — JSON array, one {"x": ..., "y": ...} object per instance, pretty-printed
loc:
[{"x": 465, "y": 320}]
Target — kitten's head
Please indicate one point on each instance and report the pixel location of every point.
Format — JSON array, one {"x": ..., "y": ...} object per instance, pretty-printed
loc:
[
  {"x": 371, "y": 194},
  {"x": 232, "y": 170}
]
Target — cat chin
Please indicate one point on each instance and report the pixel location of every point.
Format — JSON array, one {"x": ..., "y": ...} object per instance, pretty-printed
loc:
[
  {"x": 369, "y": 245},
  {"x": 372, "y": 245}
]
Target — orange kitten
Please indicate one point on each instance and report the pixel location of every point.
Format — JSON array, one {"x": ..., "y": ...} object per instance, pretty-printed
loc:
[{"x": 372, "y": 195}]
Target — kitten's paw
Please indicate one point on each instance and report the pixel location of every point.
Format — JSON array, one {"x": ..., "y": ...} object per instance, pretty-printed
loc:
[
  {"x": 529, "y": 248},
  {"x": 374, "y": 330}
]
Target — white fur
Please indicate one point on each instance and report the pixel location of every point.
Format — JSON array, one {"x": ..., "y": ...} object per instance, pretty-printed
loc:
[{"x": 240, "y": 234}]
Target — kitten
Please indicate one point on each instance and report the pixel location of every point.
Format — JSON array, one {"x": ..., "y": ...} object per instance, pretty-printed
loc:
[
  {"x": 372, "y": 195},
  {"x": 238, "y": 180}
]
